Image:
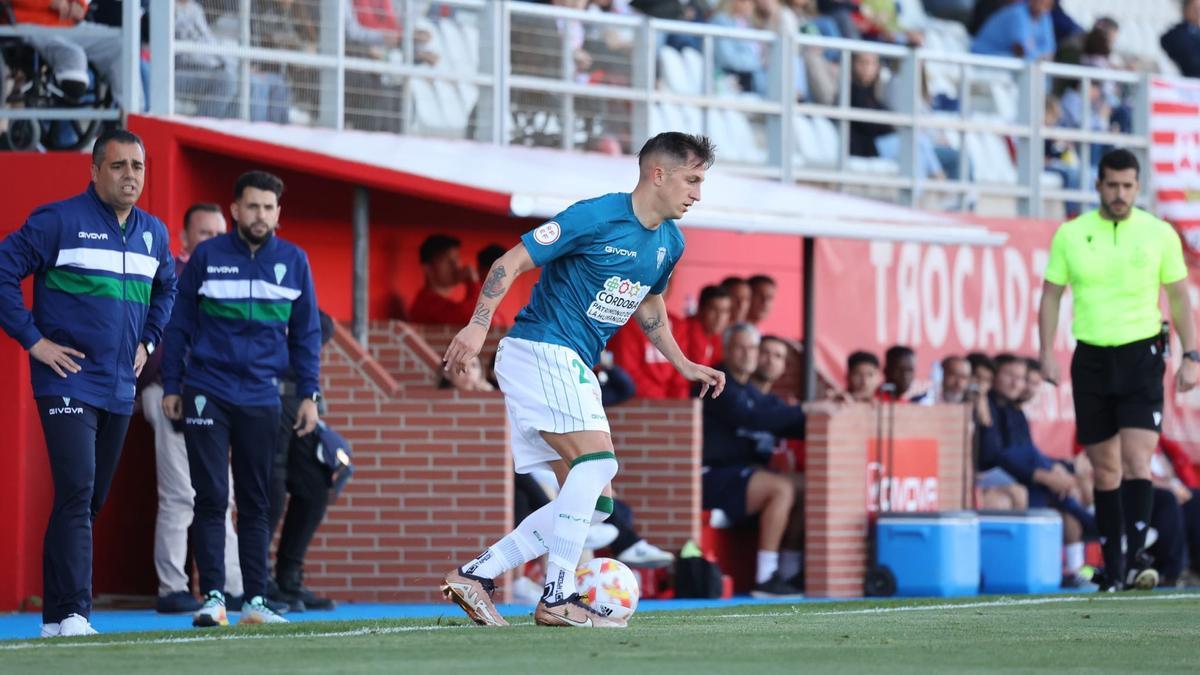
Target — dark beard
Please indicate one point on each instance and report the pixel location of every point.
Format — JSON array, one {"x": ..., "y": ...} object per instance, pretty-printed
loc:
[{"x": 249, "y": 236}]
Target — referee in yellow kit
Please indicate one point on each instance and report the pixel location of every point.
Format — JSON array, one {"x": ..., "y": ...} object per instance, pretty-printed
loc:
[{"x": 1115, "y": 259}]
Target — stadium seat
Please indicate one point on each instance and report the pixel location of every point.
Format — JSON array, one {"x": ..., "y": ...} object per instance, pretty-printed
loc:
[
  {"x": 694, "y": 61},
  {"x": 657, "y": 124},
  {"x": 672, "y": 71},
  {"x": 743, "y": 134}
]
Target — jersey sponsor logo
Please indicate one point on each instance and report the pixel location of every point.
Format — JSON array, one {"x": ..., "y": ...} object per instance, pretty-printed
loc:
[
  {"x": 662, "y": 254},
  {"x": 548, "y": 233},
  {"x": 67, "y": 409},
  {"x": 93, "y": 235},
  {"x": 617, "y": 301},
  {"x": 621, "y": 251},
  {"x": 222, "y": 269}
]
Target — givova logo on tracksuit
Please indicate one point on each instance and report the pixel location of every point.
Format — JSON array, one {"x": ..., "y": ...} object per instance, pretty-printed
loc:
[
  {"x": 67, "y": 409},
  {"x": 200, "y": 402}
]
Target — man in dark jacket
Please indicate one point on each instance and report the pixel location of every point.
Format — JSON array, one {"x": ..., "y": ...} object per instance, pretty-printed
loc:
[
  {"x": 740, "y": 431},
  {"x": 104, "y": 283},
  {"x": 1182, "y": 42},
  {"x": 246, "y": 313}
]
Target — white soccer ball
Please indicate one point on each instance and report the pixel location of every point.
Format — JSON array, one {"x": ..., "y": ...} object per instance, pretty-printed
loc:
[{"x": 609, "y": 586}]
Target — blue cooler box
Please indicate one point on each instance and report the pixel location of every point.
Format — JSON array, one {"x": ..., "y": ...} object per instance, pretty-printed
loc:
[
  {"x": 1021, "y": 551},
  {"x": 930, "y": 554}
]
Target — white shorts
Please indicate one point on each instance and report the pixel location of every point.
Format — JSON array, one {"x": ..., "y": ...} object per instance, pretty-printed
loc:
[{"x": 546, "y": 388}]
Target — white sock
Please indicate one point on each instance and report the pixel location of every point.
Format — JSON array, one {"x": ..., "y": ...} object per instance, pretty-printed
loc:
[
  {"x": 1075, "y": 556},
  {"x": 790, "y": 563},
  {"x": 768, "y": 563},
  {"x": 573, "y": 508},
  {"x": 518, "y": 547}
]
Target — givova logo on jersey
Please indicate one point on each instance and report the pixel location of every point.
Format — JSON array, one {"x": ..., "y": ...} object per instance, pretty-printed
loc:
[
  {"x": 617, "y": 301},
  {"x": 66, "y": 409},
  {"x": 200, "y": 402}
]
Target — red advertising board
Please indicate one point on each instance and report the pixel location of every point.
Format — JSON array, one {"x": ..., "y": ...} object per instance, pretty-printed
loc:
[{"x": 902, "y": 475}]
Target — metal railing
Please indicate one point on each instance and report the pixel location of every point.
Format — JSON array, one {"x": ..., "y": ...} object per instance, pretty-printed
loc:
[{"x": 511, "y": 72}]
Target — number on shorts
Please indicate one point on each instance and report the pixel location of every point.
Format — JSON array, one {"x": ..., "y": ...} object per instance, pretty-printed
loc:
[{"x": 582, "y": 371}]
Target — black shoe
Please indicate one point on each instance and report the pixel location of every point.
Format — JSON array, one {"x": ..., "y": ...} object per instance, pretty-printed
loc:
[
  {"x": 1105, "y": 583},
  {"x": 179, "y": 602},
  {"x": 1141, "y": 576},
  {"x": 776, "y": 587},
  {"x": 308, "y": 599}
]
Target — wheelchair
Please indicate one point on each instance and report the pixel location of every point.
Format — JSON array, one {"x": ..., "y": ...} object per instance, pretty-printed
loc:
[{"x": 27, "y": 82}]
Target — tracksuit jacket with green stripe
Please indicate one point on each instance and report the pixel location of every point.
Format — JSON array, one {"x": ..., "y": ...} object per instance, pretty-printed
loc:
[
  {"x": 96, "y": 289},
  {"x": 240, "y": 320}
]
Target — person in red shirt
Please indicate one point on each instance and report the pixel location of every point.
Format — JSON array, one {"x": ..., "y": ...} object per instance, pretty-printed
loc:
[
  {"x": 62, "y": 13},
  {"x": 440, "y": 300},
  {"x": 700, "y": 335},
  {"x": 653, "y": 376}
]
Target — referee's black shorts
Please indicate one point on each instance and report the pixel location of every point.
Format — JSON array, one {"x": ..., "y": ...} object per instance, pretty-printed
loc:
[{"x": 1117, "y": 388}]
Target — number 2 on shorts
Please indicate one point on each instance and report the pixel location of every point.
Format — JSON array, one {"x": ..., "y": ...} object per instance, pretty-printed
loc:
[{"x": 576, "y": 363}]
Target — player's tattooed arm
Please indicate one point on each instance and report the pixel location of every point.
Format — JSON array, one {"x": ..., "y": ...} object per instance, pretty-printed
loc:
[
  {"x": 482, "y": 316},
  {"x": 495, "y": 285},
  {"x": 466, "y": 345}
]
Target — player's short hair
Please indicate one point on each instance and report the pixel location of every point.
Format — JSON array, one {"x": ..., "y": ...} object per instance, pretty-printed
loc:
[
  {"x": 897, "y": 352},
  {"x": 979, "y": 360},
  {"x": 435, "y": 245},
  {"x": 680, "y": 147},
  {"x": 1002, "y": 360},
  {"x": 123, "y": 136},
  {"x": 198, "y": 207},
  {"x": 741, "y": 327},
  {"x": 859, "y": 358},
  {"x": 259, "y": 180},
  {"x": 729, "y": 282},
  {"x": 1119, "y": 160},
  {"x": 488, "y": 256},
  {"x": 760, "y": 280},
  {"x": 710, "y": 293}
]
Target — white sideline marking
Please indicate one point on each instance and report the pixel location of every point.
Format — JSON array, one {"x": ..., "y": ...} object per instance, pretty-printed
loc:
[
  {"x": 1002, "y": 602},
  {"x": 52, "y": 643}
]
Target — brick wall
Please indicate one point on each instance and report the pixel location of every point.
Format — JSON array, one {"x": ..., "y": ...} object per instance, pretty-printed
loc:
[
  {"x": 433, "y": 478},
  {"x": 836, "y": 520}
]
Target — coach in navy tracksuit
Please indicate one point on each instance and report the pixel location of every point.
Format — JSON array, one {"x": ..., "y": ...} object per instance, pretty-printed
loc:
[
  {"x": 246, "y": 312},
  {"x": 104, "y": 281}
]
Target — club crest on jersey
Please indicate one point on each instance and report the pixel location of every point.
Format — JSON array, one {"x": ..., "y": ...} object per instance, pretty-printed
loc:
[
  {"x": 547, "y": 233},
  {"x": 149, "y": 239},
  {"x": 662, "y": 254},
  {"x": 280, "y": 271}
]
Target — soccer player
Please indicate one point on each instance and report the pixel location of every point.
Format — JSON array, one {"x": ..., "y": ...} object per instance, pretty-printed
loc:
[
  {"x": 1116, "y": 259},
  {"x": 246, "y": 312},
  {"x": 605, "y": 260},
  {"x": 103, "y": 287}
]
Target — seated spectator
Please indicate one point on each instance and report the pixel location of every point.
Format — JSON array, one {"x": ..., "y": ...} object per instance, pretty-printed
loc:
[
  {"x": 762, "y": 298},
  {"x": 1182, "y": 42},
  {"x": 844, "y": 13},
  {"x": 1007, "y": 442},
  {"x": 471, "y": 379},
  {"x": 1186, "y": 488},
  {"x": 862, "y": 377},
  {"x": 956, "y": 379},
  {"x": 68, "y": 42},
  {"x": 441, "y": 258},
  {"x": 616, "y": 386},
  {"x": 874, "y": 139},
  {"x": 740, "y": 293},
  {"x": 1060, "y": 156},
  {"x": 772, "y": 363},
  {"x": 700, "y": 335},
  {"x": 882, "y": 23},
  {"x": 1167, "y": 518},
  {"x": 676, "y": 10},
  {"x": 653, "y": 376},
  {"x": 1023, "y": 29},
  {"x": 998, "y": 491},
  {"x": 899, "y": 374},
  {"x": 746, "y": 60},
  {"x": 983, "y": 370},
  {"x": 740, "y": 431}
]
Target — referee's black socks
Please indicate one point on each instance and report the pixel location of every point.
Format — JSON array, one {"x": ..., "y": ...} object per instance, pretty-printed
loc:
[
  {"x": 1110, "y": 523},
  {"x": 1137, "y": 497}
]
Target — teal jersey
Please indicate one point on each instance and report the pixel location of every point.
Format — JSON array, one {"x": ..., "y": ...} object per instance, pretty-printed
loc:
[{"x": 598, "y": 263}]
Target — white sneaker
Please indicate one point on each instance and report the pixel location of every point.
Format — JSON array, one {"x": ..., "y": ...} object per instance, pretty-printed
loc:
[
  {"x": 212, "y": 614},
  {"x": 256, "y": 611},
  {"x": 645, "y": 554},
  {"x": 50, "y": 630},
  {"x": 600, "y": 535},
  {"x": 75, "y": 626}
]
